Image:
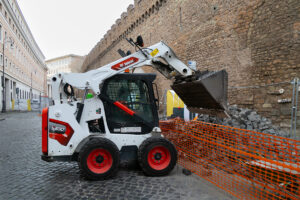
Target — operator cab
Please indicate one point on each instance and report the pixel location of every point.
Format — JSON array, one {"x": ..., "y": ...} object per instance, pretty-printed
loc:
[{"x": 135, "y": 91}]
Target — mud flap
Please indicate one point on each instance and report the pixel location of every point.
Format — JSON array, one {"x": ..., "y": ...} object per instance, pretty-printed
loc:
[{"x": 205, "y": 93}]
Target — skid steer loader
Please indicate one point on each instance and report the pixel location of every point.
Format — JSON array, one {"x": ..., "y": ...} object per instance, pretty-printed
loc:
[{"x": 120, "y": 117}]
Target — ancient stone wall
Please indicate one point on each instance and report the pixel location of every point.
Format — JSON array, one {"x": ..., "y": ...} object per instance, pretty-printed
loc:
[{"x": 256, "y": 41}]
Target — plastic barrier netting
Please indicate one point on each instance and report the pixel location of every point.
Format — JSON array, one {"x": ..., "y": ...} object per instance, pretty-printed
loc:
[{"x": 247, "y": 164}]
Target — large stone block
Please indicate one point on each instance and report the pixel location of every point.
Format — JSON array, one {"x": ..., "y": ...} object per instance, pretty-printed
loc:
[{"x": 285, "y": 111}]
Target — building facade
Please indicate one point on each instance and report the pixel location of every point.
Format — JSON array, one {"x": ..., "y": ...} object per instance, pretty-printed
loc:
[
  {"x": 257, "y": 42},
  {"x": 64, "y": 64},
  {"x": 24, "y": 68}
]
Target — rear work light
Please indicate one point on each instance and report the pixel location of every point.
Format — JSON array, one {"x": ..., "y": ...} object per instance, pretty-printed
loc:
[{"x": 45, "y": 131}]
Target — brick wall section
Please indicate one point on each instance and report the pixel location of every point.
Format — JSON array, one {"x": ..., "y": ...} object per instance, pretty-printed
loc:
[{"x": 257, "y": 42}]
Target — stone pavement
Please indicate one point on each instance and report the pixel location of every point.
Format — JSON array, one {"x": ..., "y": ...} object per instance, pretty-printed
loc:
[
  {"x": 23, "y": 175},
  {"x": 2, "y": 116}
]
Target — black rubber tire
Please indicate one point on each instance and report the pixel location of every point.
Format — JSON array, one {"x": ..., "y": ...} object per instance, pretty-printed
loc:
[
  {"x": 146, "y": 147},
  {"x": 93, "y": 144}
]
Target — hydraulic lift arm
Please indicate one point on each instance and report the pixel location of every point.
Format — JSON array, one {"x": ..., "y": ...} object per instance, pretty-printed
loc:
[
  {"x": 159, "y": 56},
  {"x": 162, "y": 58}
]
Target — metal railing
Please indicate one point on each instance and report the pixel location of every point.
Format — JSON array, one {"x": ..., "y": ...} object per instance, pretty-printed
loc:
[{"x": 293, "y": 129}]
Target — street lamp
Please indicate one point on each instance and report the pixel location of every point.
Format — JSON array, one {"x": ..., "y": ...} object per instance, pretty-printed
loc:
[
  {"x": 31, "y": 93},
  {"x": 3, "y": 81}
]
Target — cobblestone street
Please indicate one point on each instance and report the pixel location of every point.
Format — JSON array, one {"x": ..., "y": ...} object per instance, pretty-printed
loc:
[{"x": 23, "y": 175}]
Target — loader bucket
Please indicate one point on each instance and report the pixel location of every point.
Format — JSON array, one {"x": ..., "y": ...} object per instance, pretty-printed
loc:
[{"x": 207, "y": 94}]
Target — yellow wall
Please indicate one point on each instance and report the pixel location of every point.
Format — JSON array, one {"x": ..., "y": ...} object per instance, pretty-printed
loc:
[{"x": 173, "y": 101}]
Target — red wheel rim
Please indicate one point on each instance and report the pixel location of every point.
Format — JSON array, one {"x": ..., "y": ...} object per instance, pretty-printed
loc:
[
  {"x": 99, "y": 161},
  {"x": 159, "y": 158}
]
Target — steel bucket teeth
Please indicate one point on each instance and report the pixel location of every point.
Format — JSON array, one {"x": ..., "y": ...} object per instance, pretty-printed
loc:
[{"x": 206, "y": 94}]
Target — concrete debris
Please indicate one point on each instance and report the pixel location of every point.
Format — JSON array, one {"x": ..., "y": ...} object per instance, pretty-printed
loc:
[
  {"x": 245, "y": 119},
  {"x": 186, "y": 172}
]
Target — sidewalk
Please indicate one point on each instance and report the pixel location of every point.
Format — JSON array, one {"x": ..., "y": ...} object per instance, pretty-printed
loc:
[
  {"x": 5, "y": 115},
  {"x": 2, "y": 117}
]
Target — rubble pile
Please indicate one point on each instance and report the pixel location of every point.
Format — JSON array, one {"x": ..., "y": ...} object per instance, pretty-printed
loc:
[{"x": 245, "y": 119}]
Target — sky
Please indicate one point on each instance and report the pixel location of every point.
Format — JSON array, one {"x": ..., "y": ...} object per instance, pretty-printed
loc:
[{"x": 63, "y": 27}]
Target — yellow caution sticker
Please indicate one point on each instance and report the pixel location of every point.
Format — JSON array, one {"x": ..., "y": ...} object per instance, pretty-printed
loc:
[{"x": 153, "y": 53}]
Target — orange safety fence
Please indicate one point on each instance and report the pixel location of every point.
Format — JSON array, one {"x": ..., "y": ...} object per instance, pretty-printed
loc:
[{"x": 247, "y": 164}]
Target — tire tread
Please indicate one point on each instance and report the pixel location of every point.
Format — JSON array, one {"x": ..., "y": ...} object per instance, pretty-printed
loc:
[
  {"x": 144, "y": 164},
  {"x": 94, "y": 142}
]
